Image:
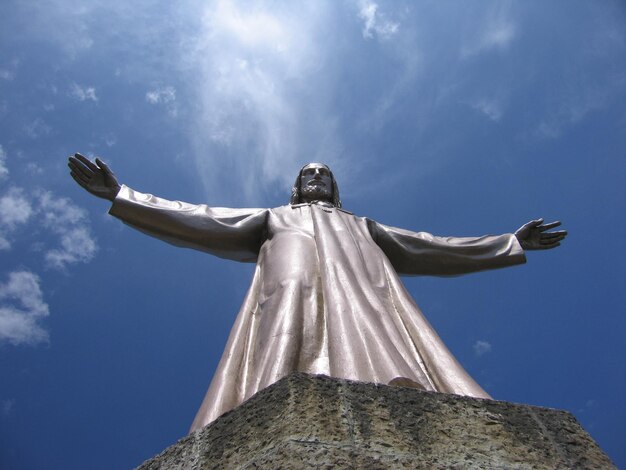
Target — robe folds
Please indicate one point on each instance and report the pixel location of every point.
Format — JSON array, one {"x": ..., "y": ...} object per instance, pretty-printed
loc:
[{"x": 326, "y": 297}]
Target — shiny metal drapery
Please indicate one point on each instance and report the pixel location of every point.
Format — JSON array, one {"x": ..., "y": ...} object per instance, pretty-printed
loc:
[{"x": 325, "y": 297}]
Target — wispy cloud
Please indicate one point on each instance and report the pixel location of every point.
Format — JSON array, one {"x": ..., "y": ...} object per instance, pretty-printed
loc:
[
  {"x": 37, "y": 128},
  {"x": 490, "y": 107},
  {"x": 8, "y": 72},
  {"x": 164, "y": 96},
  {"x": 374, "y": 22},
  {"x": 161, "y": 95},
  {"x": 571, "y": 106},
  {"x": 83, "y": 93},
  {"x": 110, "y": 140},
  {"x": 33, "y": 168},
  {"x": 69, "y": 223},
  {"x": 481, "y": 347},
  {"x": 21, "y": 309},
  {"x": 403, "y": 56},
  {"x": 21, "y": 298},
  {"x": 497, "y": 32},
  {"x": 76, "y": 245},
  {"x": 4, "y": 171},
  {"x": 58, "y": 215},
  {"x": 15, "y": 210},
  {"x": 264, "y": 99},
  {"x": 51, "y": 21}
]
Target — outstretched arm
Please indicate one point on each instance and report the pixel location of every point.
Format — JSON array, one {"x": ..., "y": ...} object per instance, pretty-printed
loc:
[
  {"x": 96, "y": 178},
  {"x": 228, "y": 233},
  {"x": 534, "y": 235},
  {"x": 420, "y": 253}
]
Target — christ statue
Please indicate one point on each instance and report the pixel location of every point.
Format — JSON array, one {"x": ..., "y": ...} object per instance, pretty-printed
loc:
[{"x": 326, "y": 296}]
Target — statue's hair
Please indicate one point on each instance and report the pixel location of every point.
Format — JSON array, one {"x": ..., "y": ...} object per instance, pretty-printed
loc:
[{"x": 296, "y": 193}]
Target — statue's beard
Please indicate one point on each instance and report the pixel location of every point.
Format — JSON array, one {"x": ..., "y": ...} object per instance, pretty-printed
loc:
[{"x": 316, "y": 193}]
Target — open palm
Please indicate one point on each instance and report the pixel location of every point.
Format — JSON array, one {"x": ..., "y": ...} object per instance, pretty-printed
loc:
[
  {"x": 534, "y": 235},
  {"x": 95, "y": 178}
]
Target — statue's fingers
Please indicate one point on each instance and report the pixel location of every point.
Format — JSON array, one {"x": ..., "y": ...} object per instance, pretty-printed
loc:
[
  {"x": 531, "y": 224},
  {"x": 549, "y": 241},
  {"x": 79, "y": 167},
  {"x": 104, "y": 166},
  {"x": 83, "y": 178},
  {"x": 534, "y": 223},
  {"x": 88, "y": 163},
  {"x": 79, "y": 180},
  {"x": 545, "y": 227},
  {"x": 559, "y": 233},
  {"x": 79, "y": 163}
]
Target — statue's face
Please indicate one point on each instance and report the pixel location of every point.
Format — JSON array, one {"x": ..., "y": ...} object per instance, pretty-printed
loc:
[{"x": 316, "y": 183}]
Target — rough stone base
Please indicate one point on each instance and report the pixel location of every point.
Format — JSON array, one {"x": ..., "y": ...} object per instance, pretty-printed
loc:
[{"x": 306, "y": 421}]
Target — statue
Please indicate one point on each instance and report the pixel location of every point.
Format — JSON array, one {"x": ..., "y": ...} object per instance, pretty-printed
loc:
[{"x": 326, "y": 297}]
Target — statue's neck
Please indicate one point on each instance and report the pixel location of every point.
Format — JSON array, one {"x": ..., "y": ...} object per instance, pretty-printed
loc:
[{"x": 322, "y": 203}]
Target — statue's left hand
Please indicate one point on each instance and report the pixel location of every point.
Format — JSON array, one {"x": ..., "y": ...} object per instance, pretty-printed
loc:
[{"x": 534, "y": 235}]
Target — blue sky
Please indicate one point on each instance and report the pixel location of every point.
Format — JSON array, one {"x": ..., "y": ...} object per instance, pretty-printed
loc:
[{"x": 436, "y": 116}]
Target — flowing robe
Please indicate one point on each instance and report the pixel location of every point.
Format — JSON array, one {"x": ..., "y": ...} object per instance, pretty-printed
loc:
[{"x": 325, "y": 297}]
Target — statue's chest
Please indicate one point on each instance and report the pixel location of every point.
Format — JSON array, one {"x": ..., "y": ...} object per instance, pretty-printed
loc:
[{"x": 305, "y": 220}]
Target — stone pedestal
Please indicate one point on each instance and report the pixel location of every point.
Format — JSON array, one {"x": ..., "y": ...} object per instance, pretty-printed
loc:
[{"x": 318, "y": 422}]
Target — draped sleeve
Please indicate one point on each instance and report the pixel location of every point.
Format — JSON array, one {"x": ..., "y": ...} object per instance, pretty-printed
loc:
[
  {"x": 420, "y": 253},
  {"x": 235, "y": 234}
]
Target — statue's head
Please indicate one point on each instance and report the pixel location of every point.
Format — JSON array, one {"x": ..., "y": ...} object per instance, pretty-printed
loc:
[{"x": 315, "y": 182}]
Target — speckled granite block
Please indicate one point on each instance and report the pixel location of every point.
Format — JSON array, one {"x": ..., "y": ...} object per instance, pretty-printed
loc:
[{"x": 318, "y": 422}]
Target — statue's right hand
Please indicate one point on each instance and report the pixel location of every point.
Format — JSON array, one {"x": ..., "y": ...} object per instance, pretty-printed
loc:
[{"x": 96, "y": 177}]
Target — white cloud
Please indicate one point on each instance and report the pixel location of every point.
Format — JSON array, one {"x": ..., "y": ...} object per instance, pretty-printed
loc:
[
  {"x": 497, "y": 32},
  {"x": 498, "y": 36},
  {"x": 481, "y": 347},
  {"x": 37, "y": 128},
  {"x": 15, "y": 210},
  {"x": 83, "y": 93},
  {"x": 58, "y": 215},
  {"x": 374, "y": 23},
  {"x": 21, "y": 299},
  {"x": 33, "y": 168},
  {"x": 110, "y": 140},
  {"x": 77, "y": 245},
  {"x": 50, "y": 21},
  {"x": 21, "y": 309},
  {"x": 490, "y": 107},
  {"x": 69, "y": 223},
  {"x": 166, "y": 96},
  {"x": 403, "y": 56},
  {"x": 161, "y": 95},
  {"x": 264, "y": 94},
  {"x": 4, "y": 171},
  {"x": 59, "y": 212}
]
